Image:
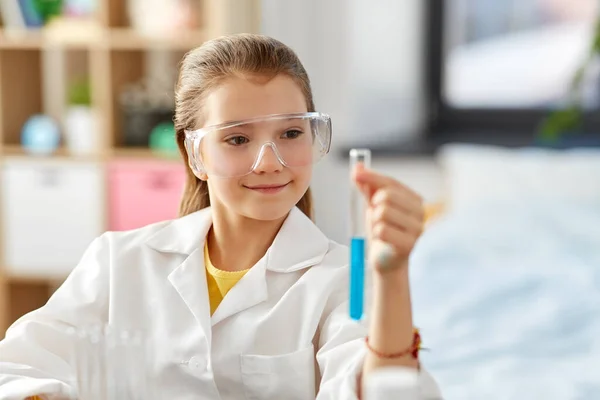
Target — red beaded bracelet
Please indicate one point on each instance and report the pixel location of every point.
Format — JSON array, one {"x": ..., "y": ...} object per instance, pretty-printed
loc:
[{"x": 413, "y": 350}]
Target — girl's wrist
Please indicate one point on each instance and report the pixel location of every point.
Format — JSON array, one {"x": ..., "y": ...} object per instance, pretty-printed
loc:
[{"x": 394, "y": 278}]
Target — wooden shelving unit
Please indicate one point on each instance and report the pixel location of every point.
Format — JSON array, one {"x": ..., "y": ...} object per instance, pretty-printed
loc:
[{"x": 34, "y": 69}]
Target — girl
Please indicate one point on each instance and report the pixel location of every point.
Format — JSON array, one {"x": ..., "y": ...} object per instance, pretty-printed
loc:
[{"x": 243, "y": 296}]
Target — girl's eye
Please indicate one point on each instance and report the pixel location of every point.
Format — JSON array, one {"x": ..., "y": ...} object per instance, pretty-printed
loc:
[
  {"x": 237, "y": 140},
  {"x": 292, "y": 134}
]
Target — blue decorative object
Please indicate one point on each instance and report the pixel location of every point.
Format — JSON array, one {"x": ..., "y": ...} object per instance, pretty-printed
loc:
[{"x": 40, "y": 135}]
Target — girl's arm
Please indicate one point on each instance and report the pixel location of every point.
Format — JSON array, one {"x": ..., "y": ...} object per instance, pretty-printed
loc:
[
  {"x": 391, "y": 328},
  {"x": 342, "y": 356},
  {"x": 395, "y": 222}
]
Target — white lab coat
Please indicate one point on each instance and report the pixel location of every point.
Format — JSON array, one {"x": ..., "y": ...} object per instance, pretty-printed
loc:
[{"x": 282, "y": 332}]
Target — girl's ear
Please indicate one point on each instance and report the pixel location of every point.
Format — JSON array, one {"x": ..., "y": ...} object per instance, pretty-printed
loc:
[
  {"x": 200, "y": 175},
  {"x": 198, "y": 171}
]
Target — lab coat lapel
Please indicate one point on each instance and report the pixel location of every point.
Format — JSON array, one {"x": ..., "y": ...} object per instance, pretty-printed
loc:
[
  {"x": 186, "y": 236},
  {"x": 299, "y": 244},
  {"x": 189, "y": 279},
  {"x": 248, "y": 292}
]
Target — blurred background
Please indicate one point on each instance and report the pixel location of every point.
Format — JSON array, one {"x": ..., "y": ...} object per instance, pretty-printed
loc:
[{"x": 487, "y": 108}]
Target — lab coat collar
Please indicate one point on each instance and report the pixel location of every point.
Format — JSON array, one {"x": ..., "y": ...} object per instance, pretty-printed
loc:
[
  {"x": 299, "y": 243},
  {"x": 183, "y": 235}
]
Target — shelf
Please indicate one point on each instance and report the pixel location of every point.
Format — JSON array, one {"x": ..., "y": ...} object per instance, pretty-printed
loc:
[
  {"x": 119, "y": 152},
  {"x": 127, "y": 39},
  {"x": 31, "y": 40},
  {"x": 109, "y": 50},
  {"x": 21, "y": 90},
  {"x": 112, "y": 38},
  {"x": 141, "y": 152},
  {"x": 15, "y": 150},
  {"x": 77, "y": 35},
  {"x": 26, "y": 296},
  {"x": 31, "y": 279}
]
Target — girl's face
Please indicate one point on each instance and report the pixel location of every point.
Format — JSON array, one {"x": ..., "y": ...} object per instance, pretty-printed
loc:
[{"x": 271, "y": 190}]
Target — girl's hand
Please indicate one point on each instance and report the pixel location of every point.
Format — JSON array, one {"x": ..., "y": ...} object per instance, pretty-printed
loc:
[{"x": 395, "y": 218}]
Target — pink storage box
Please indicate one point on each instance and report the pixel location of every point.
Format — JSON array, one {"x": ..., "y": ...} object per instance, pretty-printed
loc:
[{"x": 142, "y": 192}]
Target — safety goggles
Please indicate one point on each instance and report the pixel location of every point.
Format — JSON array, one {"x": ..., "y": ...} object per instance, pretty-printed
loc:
[{"x": 235, "y": 149}]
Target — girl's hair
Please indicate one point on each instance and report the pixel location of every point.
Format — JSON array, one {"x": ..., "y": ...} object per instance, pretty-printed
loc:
[{"x": 204, "y": 68}]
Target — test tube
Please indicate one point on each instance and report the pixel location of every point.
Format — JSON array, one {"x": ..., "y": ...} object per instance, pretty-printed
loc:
[
  {"x": 358, "y": 232},
  {"x": 109, "y": 363}
]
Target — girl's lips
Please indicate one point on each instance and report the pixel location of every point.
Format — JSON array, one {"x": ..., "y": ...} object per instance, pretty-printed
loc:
[{"x": 268, "y": 189}]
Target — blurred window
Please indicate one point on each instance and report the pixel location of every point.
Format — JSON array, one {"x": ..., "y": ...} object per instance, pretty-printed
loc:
[{"x": 507, "y": 54}]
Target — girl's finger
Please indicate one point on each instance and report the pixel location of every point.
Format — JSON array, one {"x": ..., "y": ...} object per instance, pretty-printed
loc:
[
  {"x": 398, "y": 198},
  {"x": 378, "y": 181},
  {"x": 399, "y": 218},
  {"x": 402, "y": 241},
  {"x": 372, "y": 178},
  {"x": 364, "y": 188}
]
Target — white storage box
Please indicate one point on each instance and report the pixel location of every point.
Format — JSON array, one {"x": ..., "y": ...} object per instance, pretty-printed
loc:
[{"x": 51, "y": 211}]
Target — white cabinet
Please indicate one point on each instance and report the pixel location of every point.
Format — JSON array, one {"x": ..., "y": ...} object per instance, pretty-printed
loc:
[{"x": 51, "y": 211}]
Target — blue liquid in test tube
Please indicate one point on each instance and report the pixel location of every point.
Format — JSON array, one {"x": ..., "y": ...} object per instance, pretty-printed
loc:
[{"x": 358, "y": 207}]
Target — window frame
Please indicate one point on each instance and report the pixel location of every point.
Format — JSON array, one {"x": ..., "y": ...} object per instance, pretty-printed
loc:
[{"x": 444, "y": 120}]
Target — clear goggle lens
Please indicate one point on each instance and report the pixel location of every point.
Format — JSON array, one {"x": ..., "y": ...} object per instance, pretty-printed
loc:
[{"x": 236, "y": 149}]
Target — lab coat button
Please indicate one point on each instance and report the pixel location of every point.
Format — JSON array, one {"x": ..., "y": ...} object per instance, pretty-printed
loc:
[{"x": 197, "y": 364}]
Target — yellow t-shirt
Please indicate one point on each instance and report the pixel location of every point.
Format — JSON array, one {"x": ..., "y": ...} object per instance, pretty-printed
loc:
[{"x": 219, "y": 281}]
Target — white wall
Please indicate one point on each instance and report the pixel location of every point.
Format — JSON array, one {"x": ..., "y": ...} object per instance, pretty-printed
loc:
[
  {"x": 386, "y": 64},
  {"x": 317, "y": 31},
  {"x": 364, "y": 58}
]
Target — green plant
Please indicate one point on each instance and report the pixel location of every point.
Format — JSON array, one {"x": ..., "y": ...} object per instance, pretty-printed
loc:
[
  {"x": 569, "y": 119},
  {"x": 48, "y": 9},
  {"x": 80, "y": 92}
]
